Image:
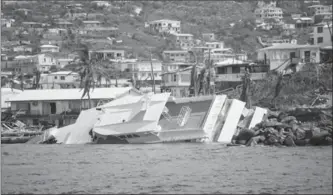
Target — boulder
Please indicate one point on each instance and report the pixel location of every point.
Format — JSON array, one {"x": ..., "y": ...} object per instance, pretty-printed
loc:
[
  {"x": 303, "y": 142},
  {"x": 288, "y": 119},
  {"x": 281, "y": 116},
  {"x": 320, "y": 140},
  {"x": 289, "y": 141},
  {"x": 245, "y": 135},
  {"x": 271, "y": 140}
]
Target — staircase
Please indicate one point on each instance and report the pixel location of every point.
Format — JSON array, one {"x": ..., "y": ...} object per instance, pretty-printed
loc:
[
  {"x": 184, "y": 115},
  {"x": 166, "y": 114}
]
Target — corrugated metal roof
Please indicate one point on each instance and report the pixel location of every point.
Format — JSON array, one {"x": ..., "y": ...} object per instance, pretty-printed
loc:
[{"x": 69, "y": 94}]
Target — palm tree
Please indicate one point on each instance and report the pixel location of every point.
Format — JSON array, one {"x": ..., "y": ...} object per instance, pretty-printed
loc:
[{"x": 89, "y": 69}]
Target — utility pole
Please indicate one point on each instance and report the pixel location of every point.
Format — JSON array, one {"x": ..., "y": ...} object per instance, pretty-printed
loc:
[
  {"x": 152, "y": 71},
  {"x": 209, "y": 67}
]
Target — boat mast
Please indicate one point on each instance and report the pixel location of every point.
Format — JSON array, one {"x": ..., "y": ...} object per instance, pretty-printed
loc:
[{"x": 152, "y": 71}]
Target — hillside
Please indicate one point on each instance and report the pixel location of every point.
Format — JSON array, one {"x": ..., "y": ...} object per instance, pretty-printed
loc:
[{"x": 232, "y": 21}]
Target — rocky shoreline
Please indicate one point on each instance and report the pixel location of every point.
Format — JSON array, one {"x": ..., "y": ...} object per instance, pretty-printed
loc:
[{"x": 297, "y": 127}]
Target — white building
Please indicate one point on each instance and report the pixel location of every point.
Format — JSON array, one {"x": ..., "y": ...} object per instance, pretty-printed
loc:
[
  {"x": 61, "y": 106},
  {"x": 176, "y": 56},
  {"x": 49, "y": 48},
  {"x": 45, "y": 61},
  {"x": 101, "y": 3},
  {"x": 214, "y": 45},
  {"x": 169, "y": 26},
  {"x": 142, "y": 71},
  {"x": 267, "y": 12},
  {"x": 282, "y": 55},
  {"x": 321, "y": 35},
  {"x": 7, "y": 22},
  {"x": 58, "y": 80},
  {"x": 183, "y": 41},
  {"x": 320, "y": 9},
  {"x": 218, "y": 55}
]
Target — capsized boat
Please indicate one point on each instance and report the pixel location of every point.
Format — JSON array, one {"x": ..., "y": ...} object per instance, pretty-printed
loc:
[{"x": 152, "y": 119}]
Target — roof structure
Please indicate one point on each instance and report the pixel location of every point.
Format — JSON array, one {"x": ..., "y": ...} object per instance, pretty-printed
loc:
[
  {"x": 70, "y": 94},
  {"x": 288, "y": 46}
]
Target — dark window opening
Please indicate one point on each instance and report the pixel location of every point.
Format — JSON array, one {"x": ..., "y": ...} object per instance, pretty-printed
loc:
[{"x": 320, "y": 40}]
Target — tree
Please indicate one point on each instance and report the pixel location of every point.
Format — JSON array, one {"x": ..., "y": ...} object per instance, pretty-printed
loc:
[{"x": 89, "y": 69}]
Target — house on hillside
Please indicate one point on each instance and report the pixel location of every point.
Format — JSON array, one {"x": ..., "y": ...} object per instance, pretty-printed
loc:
[
  {"x": 24, "y": 11},
  {"x": 7, "y": 23},
  {"x": 61, "y": 106},
  {"x": 321, "y": 34},
  {"x": 63, "y": 24},
  {"x": 101, "y": 3},
  {"x": 23, "y": 48},
  {"x": 176, "y": 56},
  {"x": 183, "y": 41},
  {"x": 278, "y": 57},
  {"x": 45, "y": 61},
  {"x": 142, "y": 71},
  {"x": 91, "y": 24},
  {"x": 169, "y": 26},
  {"x": 108, "y": 54},
  {"x": 49, "y": 48},
  {"x": 208, "y": 37},
  {"x": 60, "y": 80},
  {"x": 24, "y": 64},
  {"x": 304, "y": 22},
  {"x": 266, "y": 12},
  {"x": 215, "y": 45},
  {"x": 320, "y": 10}
]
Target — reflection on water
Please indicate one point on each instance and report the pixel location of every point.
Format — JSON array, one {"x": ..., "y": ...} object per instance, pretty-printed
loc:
[{"x": 165, "y": 168}]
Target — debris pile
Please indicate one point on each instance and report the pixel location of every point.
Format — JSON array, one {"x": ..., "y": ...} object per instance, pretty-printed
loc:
[{"x": 298, "y": 127}]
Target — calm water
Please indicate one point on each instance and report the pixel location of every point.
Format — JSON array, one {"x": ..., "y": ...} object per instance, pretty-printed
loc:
[{"x": 168, "y": 168}]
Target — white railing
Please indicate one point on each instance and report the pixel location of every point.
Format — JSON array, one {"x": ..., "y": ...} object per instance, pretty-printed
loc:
[
  {"x": 166, "y": 114},
  {"x": 238, "y": 76},
  {"x": 184, "y": 115}
]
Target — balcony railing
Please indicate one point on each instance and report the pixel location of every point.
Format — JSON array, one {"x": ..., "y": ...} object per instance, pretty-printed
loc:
[{"x": 238, "y": 77}]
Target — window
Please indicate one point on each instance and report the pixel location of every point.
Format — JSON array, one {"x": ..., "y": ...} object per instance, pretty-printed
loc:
[
  {"x": 174, "y": 78},
  {"x": 44, "y": 59},
  {"x": 320, "y": 40},
  {"x": 235, "y": 69},
  {"x": 55, "y": 77},
  {"x": 62, "y": 77},
  {"x": 320, "y": 29}
]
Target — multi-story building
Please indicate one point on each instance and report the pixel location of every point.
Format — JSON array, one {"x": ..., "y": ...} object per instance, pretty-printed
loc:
[
  {"x": 215, "y": 45},
  {"x": 7, "y": 23},
  {"x": 108, "y": 54},
  {"x": 45, "y": 61},
  {"x": 176, "y": 56},
  {"x": 280, "y": 56},
  {"x": 261, "y": 4},
  {"x": 59, "y": 80},
  {"x": 169, "y": 26},
  {"x": 142, "y": 71},
  {"x": 304, "y": 22},
  {"x": 208, "y": 36},
  {"x": 218, "y": 55},
  {"x": 267, "y": 12},
  {"x": 321, "y": 34},
  {"x": 320, "y": 10},
  {"x": 91, "y": 24},
  {"x": 49, "y": 48},
  {"x": 183, "y": 41},
  {"x": 25, "y": 64}
]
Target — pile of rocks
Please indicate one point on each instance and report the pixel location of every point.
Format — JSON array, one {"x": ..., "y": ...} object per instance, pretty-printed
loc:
[{"x": 298, "y": 127}]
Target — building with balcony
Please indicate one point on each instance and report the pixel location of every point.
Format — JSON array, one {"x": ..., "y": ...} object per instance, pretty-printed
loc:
[
  {"x": 45, "y": 61},
  {"x": 60, "y": 106},
  {"x": 183, "y": 41},
  {"x": 63, "y": 24},
  {"x": 25, "y": 64},
  {"x": 215, "y": 45},
  {"x": 168, "y": 26},
  {"x": 321, "y": 34},
  {"x": 217, "y": 55},
  {"x": 176, "y": 56},
  {"x": 107, "y": 54},
  {"x": 142, "y": 71},
  {"x": 91, "y": 24},
  {"x": 278, "y": 57},
  {"x": 266, "y": 12},
  {"x": 229, "y": 73},
  {"x": 49, "y": 48},
  {"x": 60, "y": 80},
  {"x": 7, "y": 23},
  {"x": 23, "y": 48},
  {"x": 304, "y": 22},
  {"x": 320, "y": 10}
]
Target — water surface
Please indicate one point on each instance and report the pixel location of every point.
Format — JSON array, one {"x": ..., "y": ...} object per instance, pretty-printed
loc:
[{"x": 165, "y": 168}]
